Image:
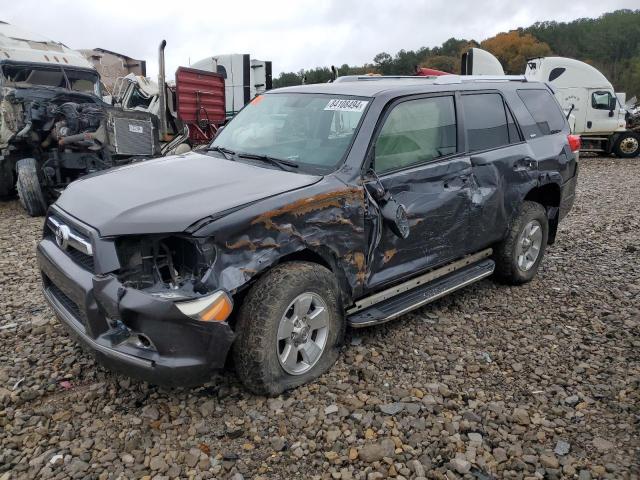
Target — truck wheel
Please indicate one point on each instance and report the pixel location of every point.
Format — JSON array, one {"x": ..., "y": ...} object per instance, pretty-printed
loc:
[
  {"x": 289, "y": 328},
  {"x": 28, "y": 186},
  {"x": 628, "y": 145},
  {"x": 519, "y": 255}
]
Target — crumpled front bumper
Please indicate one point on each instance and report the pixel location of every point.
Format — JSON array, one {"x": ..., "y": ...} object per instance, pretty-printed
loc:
[{"x": 130, "y": 331}]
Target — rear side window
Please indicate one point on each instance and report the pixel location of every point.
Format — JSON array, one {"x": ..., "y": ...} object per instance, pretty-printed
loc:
[
  {"x": 544, "y": 109},
  {"x": 485, "y": 120},
  {"x": 416, "y": 131}
]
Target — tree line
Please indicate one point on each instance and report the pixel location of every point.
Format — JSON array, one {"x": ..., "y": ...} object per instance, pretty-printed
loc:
[{"x": 611, "y": 43}]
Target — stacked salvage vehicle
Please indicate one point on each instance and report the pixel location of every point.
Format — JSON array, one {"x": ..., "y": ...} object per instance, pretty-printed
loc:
[{"x": 54, "y": 125}]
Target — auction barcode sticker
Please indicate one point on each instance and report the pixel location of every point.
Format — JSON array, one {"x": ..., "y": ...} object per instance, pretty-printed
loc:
[{"x": 344, "y": 105}]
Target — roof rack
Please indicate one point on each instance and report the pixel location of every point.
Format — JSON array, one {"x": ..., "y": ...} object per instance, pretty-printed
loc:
[{"x": 436, "y": 79}]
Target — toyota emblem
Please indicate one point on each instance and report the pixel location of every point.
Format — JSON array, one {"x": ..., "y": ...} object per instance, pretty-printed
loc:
[{"x": 62, "y": 236}]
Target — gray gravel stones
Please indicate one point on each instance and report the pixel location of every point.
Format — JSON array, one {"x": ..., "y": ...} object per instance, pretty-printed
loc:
[
  {"x": 537, "y": 381},
  {"x": 373, "y": 452}
]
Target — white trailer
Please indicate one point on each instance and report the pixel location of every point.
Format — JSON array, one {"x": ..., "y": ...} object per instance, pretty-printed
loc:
[
  {"x": 244, "y": 77},
  {"x": 596, "y": 112}
]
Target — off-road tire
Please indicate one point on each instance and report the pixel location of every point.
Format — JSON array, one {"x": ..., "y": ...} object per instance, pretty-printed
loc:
[
  {"x": 632, "y": 137},
  {"x": 507, "y": 270},
  {"x": 29, "y": 189},
  {"x": 254, "y": 351}
]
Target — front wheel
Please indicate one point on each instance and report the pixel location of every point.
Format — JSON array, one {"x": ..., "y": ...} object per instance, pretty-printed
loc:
[
  {"x": 519, "y": 255},
  {"x": 628, "y": 145},
  {"x": 289, "y": 328},
  {"x": 28, "y": 186}
]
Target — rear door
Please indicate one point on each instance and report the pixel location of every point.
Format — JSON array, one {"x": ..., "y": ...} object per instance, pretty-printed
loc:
[
  {"x": 418, "y": 160},
  {"x": 502, "y": 165}
]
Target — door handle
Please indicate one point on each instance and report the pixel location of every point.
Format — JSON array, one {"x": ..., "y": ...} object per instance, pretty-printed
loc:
[{"x": 526, "y": 163}]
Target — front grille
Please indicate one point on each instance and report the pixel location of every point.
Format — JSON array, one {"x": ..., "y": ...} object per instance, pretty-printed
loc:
[
  {"x": 69, "y": 305},
  {"x": 80, "y": 258}
]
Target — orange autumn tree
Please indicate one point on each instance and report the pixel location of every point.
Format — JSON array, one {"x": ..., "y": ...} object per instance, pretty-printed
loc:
[{"x": 513, "y": 49}]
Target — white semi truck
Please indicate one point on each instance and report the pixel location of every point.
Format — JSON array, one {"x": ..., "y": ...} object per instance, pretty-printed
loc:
[
  {"x": 596, "y": 112},
  {"x": 244, "y": 77}
]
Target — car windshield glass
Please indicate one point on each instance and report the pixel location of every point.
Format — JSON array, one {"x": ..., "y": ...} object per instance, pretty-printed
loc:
[
  {"x": 32, "y": 75},
  {"x": 311, "y": 131}
]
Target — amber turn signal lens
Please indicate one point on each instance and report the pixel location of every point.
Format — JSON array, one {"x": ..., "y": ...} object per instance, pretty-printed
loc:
[
  {"x": 213, "y": 308},
  {"x": 218, "y": 311}
]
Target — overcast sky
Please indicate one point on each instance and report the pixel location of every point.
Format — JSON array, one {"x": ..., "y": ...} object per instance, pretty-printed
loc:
[{"x": 293, "y": 34}]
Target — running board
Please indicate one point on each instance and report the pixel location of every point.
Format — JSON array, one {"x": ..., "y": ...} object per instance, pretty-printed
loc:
[{"x": 406, "y": 301}]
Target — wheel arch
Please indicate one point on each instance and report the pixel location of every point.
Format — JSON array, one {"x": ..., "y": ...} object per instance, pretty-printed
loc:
[
  {"x": 327, "y": 260},
  {"x": 549, "y": 196}
]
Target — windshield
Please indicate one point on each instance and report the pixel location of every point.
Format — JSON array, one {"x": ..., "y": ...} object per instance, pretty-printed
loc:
[
  {"x": 310, "y": 130},
  {"x": 34, "y": 75}
]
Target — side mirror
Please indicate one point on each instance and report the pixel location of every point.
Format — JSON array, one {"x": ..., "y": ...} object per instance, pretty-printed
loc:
[
  {"x": 219, "y": 131},
  {"x": 395, "y": 214},
  {"x": 611, "y": 113}
]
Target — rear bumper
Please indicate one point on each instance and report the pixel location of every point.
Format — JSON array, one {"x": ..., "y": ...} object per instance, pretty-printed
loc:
[{"x": 129, "y": 331}]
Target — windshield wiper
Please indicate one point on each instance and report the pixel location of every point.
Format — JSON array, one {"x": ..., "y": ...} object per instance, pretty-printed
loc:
[
  {"x": 226, "y": 153},
  {"x": 278, "y": 162}
]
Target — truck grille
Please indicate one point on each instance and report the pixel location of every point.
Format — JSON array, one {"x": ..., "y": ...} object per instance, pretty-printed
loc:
[{"x": 133, "y": 137}]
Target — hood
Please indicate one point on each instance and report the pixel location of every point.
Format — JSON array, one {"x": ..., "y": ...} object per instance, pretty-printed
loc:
[{"x": 168, "y": 194}]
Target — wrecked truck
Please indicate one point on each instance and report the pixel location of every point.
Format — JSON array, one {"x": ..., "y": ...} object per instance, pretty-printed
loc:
[
  {"x": 54, "y": 126},
  {"x": 316, "y": 208}
]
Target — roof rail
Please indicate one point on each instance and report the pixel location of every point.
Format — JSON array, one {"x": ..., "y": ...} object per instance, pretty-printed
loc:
[{"x": 436, "y": 79}]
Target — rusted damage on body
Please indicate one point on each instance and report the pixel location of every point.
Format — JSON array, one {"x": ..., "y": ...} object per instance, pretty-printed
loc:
[{"x": 327, "y": 225}]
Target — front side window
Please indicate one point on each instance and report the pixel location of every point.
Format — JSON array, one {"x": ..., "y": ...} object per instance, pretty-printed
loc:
[
  {"x": 311, "y": 130},
  {"x": 416, "y": 131},
  {"x": 485, "y": 121},
  {"x": 601, "y": 100}
]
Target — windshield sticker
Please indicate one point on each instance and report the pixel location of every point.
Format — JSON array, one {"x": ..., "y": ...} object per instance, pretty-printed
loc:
[{"x": 342, "y": 105}]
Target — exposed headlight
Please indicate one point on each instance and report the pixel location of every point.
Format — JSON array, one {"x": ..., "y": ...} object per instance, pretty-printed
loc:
[
  {"x": 212, "y": 308},
  {"x": 171, "y": 266}
]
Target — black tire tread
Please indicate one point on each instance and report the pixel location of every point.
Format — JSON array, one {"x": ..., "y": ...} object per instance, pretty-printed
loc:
[
  {"x": 28, "y": 186},
  {"x": 619, "y": 152},
  {"x": 250, "y": 353},
  {"x": 505, "y": 269}
]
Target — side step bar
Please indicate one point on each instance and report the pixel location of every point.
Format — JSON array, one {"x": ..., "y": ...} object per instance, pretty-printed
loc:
[{"x": 388, "y": 309}]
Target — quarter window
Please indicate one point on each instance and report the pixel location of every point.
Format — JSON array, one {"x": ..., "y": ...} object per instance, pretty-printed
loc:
[
  {"x": 544, "y": 109},
  {"x": 485, "y": 121},
  {"x": 416, "y": 131}
]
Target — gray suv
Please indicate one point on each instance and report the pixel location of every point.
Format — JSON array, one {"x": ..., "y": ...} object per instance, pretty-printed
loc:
[{"x": 316, "y": 208}]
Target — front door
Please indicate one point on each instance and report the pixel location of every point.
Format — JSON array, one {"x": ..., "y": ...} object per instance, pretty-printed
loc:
[
  {"x": 603, "y": 110},
  {"x": 417, "y": 160}
]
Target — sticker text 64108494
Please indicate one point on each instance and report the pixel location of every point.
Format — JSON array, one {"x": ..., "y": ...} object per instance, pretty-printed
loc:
[{"x": 346, "y": 105}]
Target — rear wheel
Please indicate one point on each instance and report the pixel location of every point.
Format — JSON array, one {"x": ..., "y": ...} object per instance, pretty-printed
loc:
[
  {"x": 29, "y": 189},
  {"x": 289, "y": 328},
  {"x": 519, "y": 255},
  {"x": 628, "y": 145}
]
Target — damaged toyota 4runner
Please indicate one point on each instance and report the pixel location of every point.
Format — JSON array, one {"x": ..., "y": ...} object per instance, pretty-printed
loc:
[{"x": 316, "y": 208}]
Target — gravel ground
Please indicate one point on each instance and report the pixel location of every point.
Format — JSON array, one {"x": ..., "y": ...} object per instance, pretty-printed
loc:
[{"x": 538, "y": 381}]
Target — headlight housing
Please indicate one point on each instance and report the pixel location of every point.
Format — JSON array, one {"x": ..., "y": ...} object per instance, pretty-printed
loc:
[
  {"x": 212, "y": 308},
  {"x": 169, "y": 266}
]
